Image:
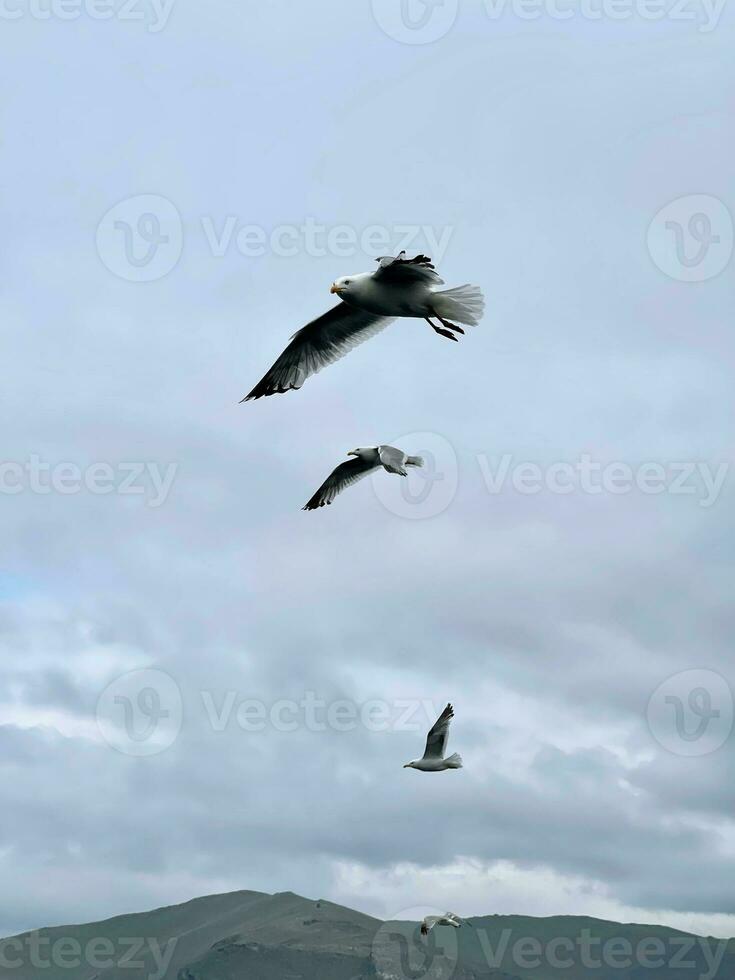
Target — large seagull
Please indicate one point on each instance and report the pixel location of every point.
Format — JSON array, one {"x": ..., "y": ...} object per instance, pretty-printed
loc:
[{"x": 399, "y": 287}]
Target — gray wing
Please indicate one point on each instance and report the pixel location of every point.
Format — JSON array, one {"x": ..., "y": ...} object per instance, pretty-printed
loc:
[
  {"x": 436, "y": 741},
  {"x": 343, "y": 476},
  {"x": 401, "y": 271},
  {"x": 394, "y": 460},
  {"x": 319, "y": 343}
]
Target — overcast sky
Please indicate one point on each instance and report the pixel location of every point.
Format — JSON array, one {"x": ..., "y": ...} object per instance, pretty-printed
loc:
[{"x": 180, "y": 190}]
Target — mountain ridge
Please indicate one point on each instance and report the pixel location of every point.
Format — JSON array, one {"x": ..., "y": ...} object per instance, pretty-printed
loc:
[{"x": 284, "y": 936}]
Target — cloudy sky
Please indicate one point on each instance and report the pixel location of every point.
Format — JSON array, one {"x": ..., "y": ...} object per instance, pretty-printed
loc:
[{"x": 206, "y": 689}]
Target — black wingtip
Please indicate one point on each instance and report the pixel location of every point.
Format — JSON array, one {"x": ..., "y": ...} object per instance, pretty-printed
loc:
[
  {"x": 264, "y": 392},
  {"x": 401, "y": 257},
  {"x": 314, "y": 504}
]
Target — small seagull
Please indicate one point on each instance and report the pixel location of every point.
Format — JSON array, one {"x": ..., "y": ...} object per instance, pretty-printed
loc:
[
  {"x": 448, "y": 919},
  {"x": 436, "y": 743},
  {"x": 366, "y": 460},
  {"x": 399, "y": 287}
]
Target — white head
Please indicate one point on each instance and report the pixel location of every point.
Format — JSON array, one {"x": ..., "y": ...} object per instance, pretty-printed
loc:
[
  {"x": 410, "y": 765},
  {"x": 365, "y": 453},
  {"x": 346, "y": 287}
]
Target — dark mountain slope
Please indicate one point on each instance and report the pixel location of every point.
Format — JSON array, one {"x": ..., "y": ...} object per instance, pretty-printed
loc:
[{"x": 254, "y": 936}]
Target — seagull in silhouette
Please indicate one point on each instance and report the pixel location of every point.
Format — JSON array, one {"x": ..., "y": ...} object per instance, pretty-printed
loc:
[
  {"x": 436, "y": 743},
  {"x": 365, "y": 461},
  {"x": 448, "y": 919},
  {"x": 369, "y": 301}
]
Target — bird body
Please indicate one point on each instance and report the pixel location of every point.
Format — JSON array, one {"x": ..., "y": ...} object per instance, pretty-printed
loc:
[
  {"x": 453, "y": 761},
  {"x": 364, "y": 292},
  {"x": 365, "y": 461},
  {"x": 399, "y": 287},
  {"x": 448, "y": 919},
  {"x": 436, "y": 743}
]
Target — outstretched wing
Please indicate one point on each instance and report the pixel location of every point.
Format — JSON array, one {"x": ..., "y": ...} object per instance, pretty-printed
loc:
[
  {"x": 343, "y": 476},
  {"x": 319, "y": 343},
  {"x": 400, "y": 271},
  {"x": 436, "y": 741},
  {"x": 394, "y": 460}
]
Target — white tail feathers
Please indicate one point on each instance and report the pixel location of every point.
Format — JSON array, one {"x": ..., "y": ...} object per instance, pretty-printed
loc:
[
  {"x": 414, "y": 461},
  {"x": 465, "y": 304},
  {"x": 454, "y": 761}
]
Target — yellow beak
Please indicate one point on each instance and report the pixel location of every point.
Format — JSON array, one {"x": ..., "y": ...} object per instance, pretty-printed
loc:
[{"x": 335, "y": 288}]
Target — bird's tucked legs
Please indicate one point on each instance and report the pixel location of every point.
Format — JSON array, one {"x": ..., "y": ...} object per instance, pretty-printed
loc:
[
  {"x": 441, "y": 330},
  {"x": 448, "y": 325}
]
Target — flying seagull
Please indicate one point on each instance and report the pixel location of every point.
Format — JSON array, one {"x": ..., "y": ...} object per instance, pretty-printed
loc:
[
  {"x": 436, "y": 743},
  {"x": 448, "y": 919},
  {"x": 369, "y": 302},
  {"x": 366, "y": 460}
]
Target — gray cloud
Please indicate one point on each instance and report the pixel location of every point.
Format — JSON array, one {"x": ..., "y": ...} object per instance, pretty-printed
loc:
[{"x": 548, "y": 620}]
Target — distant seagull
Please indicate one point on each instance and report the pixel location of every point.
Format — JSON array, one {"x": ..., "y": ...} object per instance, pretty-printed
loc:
[
  {"x": 366, "y": 460},
  {"x": 399, "y": 287},
  {"x": 436, "y": 743},
  {"x": 448, "y": 919}
]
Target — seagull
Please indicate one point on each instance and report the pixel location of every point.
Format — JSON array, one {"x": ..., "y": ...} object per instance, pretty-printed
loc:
[
  {"x": 436, "y": 742},
  {"x": 366, "y": 460},
  {"x": 448, "y": 919},
  {"x": 399, "y": 287}
]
